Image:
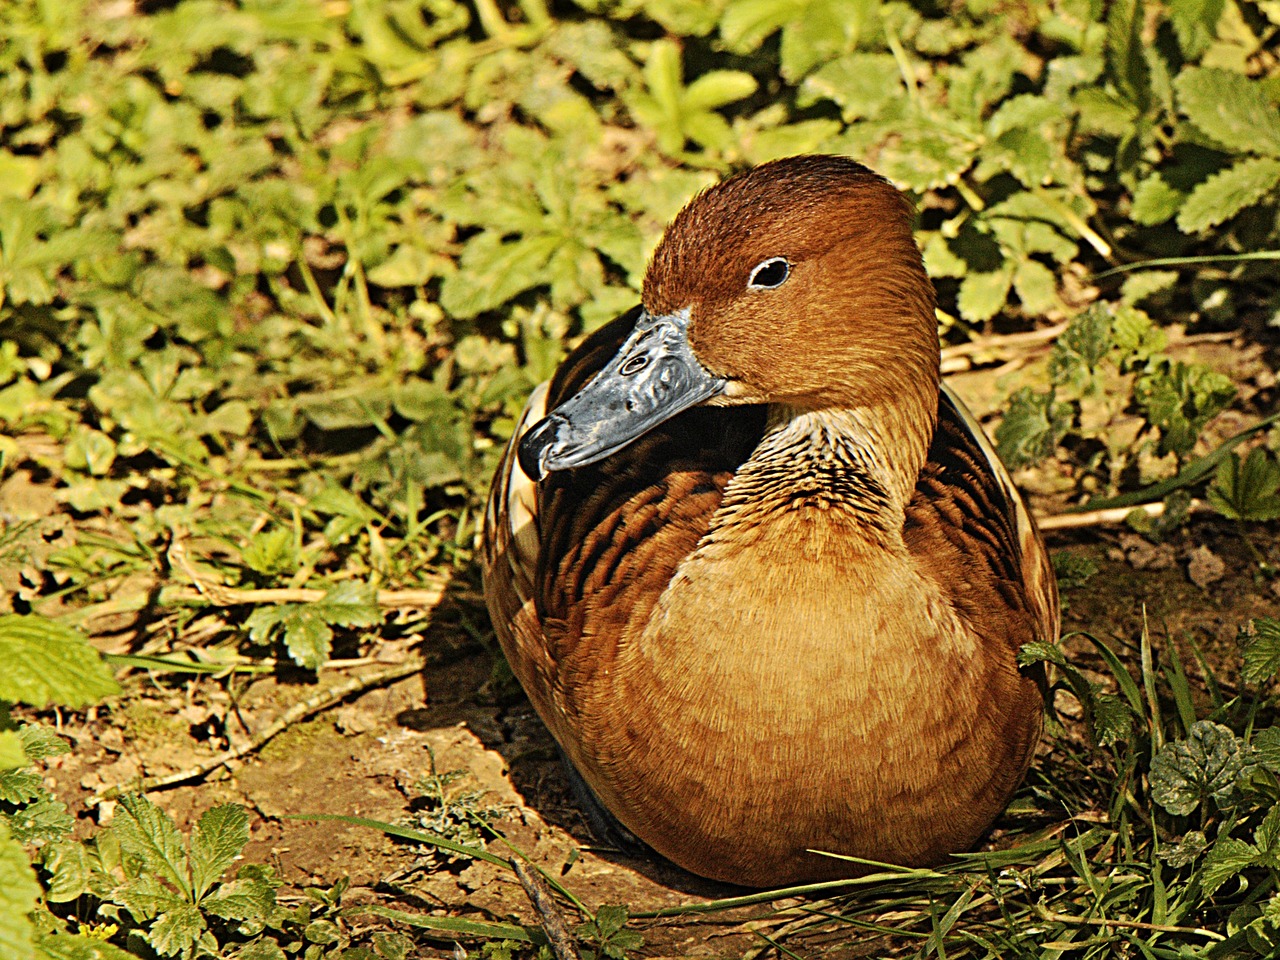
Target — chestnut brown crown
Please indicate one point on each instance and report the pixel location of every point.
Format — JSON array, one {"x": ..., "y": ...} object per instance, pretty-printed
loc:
[{"x": 844, "y": 313}]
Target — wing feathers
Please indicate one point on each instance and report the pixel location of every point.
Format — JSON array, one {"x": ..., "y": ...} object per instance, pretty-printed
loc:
[{"x": 969, "y": 525}]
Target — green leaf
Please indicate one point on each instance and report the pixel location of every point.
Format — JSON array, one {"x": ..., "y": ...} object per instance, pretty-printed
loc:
[
  {"x": 717, "y": 89},
  {"x": 747, "y": 23},
  {"x": 1206, "y": 765},
  {"x": 34, "y": 248},
  {"x": 1036, "y": 286},
  {"x": 1137, "y": 338},
  {"x": 19, "y": 176},
  {"x": 145, "y": 896},
  {"x": 65, "y": 946},
  {"x": 1025, "y": 111},
  {"x": 20, "y": 786},
  {"x": 322, "y": 931},
  {"x": 826, "y": 29},
  {"x": 360, "y": 406},
  {"x": 608, "y": 930},
  {"x": 1227, "y": 858},
  {"x": 1267, "y": 835},
  {"x": 1102, "y": 111},
  {"x": 351, "y": 603},
  {"x": 1073, "y": 570},
  {"x": 18, "y": 894},
  {"x": 72, "y": 869},
  {"x": 492, "y": 271},
  {"x": 306, "y": 626},
  {"x": 683, "y": 18},
  {"x": 243, "y": 899},
  {"x": 1126, "y": 58},
  {"x": 272, "y": 552},
  {"x": 91, "y": 451},
  {"x": 1110, "y": 719},
  {"x": 1266, "y": 745},
  {"x": 1228, "y": 192},
  {"x": 391, "y": 945},
  {"x": 261, "y": 949},
  {"x": 861, "y": 85},
  {"x": 233, "y": 418},
  {"x": 771, "y": 143},
  {"x": 1141, "y": 284},
  {"x": 983, "y": 295},
  {"x": 1261, "y": 650},
  {"x": 1187, "y": 850},
  {"x": 1180, "y": 399},
  {"x": 146, "y": 832},
  {"x": 1076, "y": 354},
  {"x": 216, "y": 840},
  {"x": 1039, "y": 652},
  {"x": 41, "y": 742},
  {"x": 1231, "y": 108},
  {"x": 921, "y": 154},
  {"x": 1154, "y": 201},
  {"x": 1196, "y": 24},
  {"x": 12, "y": 756},
  {"x": 1040, "y": 221},
  {"x": 610, "y": 919},
  {"x": 1032, "y": 427},
  {"x": 176, "y": 930},
  {"x": 46, "y": 662},
  {"x": 44, "y": 821},
  {"x": 676, "y": 113},
  {"x": 306, "y": 636},
  {"x": 1248, "y": 489}
]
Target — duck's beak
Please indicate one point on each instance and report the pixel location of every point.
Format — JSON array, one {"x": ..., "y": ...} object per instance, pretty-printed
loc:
[{"x": 653, "y": 377}]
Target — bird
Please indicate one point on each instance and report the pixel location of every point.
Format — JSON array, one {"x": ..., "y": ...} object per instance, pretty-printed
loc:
[{"x": 760, "y": 573}]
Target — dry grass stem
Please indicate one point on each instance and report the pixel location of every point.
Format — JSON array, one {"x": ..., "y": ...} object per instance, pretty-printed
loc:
[{"x": 1130, "y": 925}]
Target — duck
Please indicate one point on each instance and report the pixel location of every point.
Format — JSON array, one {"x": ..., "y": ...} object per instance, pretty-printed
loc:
[{"x": 759, "y": 571}]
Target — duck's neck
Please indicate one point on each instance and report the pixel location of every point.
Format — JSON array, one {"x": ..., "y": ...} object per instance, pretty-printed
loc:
[{"x": 864, "y": 460}]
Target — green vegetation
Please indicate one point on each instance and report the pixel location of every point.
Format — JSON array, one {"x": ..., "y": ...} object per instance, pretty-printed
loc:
[{"x": 276, "y": 277}]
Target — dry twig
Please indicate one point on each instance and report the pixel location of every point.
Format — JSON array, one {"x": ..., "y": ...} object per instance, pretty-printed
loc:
[
  {"x": 562, "y": 943},
  {"x": 231, "y": 596},
  {"x": 1098, "y": 518}
]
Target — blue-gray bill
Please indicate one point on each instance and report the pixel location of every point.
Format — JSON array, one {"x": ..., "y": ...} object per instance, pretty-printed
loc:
[{"x": 652, "y": 378}]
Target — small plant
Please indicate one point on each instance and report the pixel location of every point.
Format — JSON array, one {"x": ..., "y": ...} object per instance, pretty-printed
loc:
[
  {"x": 164, "y": 890},
  {"x": 608, "y": 935},
  {"x": 451, "y": 812},
  {"x": 161, "y": 893},
  {"x": 511, "y": 950},
  {"x": 1126, "y": 406},
  {"x": 307, "y": 628}
]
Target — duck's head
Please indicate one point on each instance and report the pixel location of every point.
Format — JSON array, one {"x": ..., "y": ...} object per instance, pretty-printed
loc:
[{"x": 797, "y": 283}]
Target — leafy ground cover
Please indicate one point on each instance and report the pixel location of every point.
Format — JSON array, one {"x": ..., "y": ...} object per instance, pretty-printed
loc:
[{"x": 276, "y": 276}]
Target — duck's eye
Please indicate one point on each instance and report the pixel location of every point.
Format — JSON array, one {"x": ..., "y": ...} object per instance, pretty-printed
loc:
[{"x": 769, "y": 274}]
